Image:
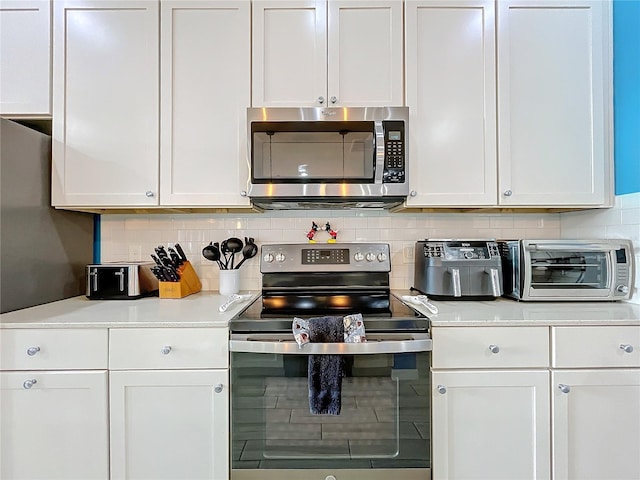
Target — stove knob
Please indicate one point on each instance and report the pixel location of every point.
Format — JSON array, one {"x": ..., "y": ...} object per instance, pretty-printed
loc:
[
  {"x": 382, "y": 257},
  {"x": 268, "y": 258},
  {"x": 370, "y": 257},
  {"x": 280, "y": 257},
  {"x": 358, "y": 257}
]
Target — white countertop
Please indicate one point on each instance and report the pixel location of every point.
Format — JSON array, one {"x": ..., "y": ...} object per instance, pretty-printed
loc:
[
  {"x": 197, "y": 310},
  {"x": 504, "y": 311},
  {"x": 201, "y": 310}
]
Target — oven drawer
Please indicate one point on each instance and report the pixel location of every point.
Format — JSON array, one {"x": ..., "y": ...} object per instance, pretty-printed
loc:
[
  {"x": 614, "y": 346},
  {"x": 168, "y": 348},
  {"x": 53, "y": 349},
  {"x": 490, "y": 347}
]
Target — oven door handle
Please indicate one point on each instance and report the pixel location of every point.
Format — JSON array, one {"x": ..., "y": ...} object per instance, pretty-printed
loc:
[
  {"x": 250, "y": 344},
  {"x": 578, "y": 247}
]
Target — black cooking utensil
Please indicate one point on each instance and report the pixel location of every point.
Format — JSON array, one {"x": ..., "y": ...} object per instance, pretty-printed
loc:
[
  {"x": 249, "y": 251},
  {"x": 224, "y": 251},
  {"x": 234, "y": 245},
  {"x": 212, "y": 252}
]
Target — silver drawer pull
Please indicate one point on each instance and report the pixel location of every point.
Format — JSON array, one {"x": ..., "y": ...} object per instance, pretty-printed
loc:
[
  {"x": 626, "y": 348},
  {"x": 166, "y": 350},
  {"x": 494, "y": 348},
  {"x": 29, "y": 383},
  {"x": 441, "y": 389},
  {"x": 31, "y": 351},
  {"x": 218, "y": 388},
  {"x": 564, "y": 388}
]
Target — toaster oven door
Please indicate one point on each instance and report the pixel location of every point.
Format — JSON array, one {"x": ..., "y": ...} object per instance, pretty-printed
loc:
[{"x": 564, "y": 271}]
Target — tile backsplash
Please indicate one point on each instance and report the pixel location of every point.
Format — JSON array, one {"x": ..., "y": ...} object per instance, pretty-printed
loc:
[
  {"x": 621, "y": 221},
  {"x": 133, "y": 237}
]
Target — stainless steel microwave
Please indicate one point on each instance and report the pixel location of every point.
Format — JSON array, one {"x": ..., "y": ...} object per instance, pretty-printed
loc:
[
  {"x": 328, "y": 157},
  {"x": 567, "y": 270}
]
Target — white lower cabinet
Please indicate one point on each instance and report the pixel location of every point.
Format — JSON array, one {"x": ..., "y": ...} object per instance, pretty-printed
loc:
[
  {"x": 596, "y": 402},
  {"x": 54, "y": 425},
  {"x": 491, "y": 424},
  {"x": 169, "y": 424},
  {"x": 169, "y": 403}
]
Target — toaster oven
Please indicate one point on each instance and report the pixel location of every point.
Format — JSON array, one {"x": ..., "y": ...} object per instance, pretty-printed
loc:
[{"x": 567, "y": 270}]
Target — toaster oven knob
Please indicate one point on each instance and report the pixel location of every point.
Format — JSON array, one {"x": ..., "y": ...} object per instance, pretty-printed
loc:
[
  {"x": 358, "y": 257},
  {"x": 280, "y": 257},
  {"x": 370, "y": 257},
  {"x": 622, "y": 289},
  {"x": 268, "y": 258},
  {"x": 382, "y": 257}
]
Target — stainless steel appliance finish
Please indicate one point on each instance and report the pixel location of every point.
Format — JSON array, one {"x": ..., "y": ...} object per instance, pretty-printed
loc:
[
  {"x": 328, "y": 157},
  {"x": 567, "y": 270},
  {"x": 120, "y": 281},
  {"x": 382, "y": 430},
  {"x": 458, "y": 269},
  {"x": 44, "y": 251}
]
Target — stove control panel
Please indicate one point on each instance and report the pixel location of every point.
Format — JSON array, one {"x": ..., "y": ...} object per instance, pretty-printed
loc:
[{"x": 337, "y": 257}]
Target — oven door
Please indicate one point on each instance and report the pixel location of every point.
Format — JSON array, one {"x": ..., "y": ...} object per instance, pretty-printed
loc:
[
  {"x": 382, "y": 431},
  {"x": 565, "y": 271}
]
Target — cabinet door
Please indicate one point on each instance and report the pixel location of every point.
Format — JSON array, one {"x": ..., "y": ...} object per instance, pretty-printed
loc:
[
  {"x": 54, "y": 425},
  {"x": 206, "y": 89},
  {"x": 491, "y": 424},
  {"x": 554, "y": 82},
  {"x": 169, "y": 424},
  {"x": 451, "y": 96},
  {"x": 364, "y": 53},
  {"x": 105, "y": 103},
  {"x": 25, "y": 57},
  {"x": 289, "y": 53},
  {"x": 596, "y": 424}
]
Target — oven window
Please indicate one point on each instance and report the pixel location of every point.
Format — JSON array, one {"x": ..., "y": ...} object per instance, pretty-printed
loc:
[
  {"x": 312, "y": 152},
  {"x": 570, "y": 269},
  {"x": 384, "y": 421}
]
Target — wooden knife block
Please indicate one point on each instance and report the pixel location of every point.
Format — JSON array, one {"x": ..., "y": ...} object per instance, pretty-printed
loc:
[{"x": 189, "y": 283}]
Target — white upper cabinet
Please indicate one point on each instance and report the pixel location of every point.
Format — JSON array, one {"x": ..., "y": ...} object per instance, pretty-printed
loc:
[
  {"x": 451, "y": 95},
  {"x": 205, "y": 91},
  {"x": 327, "y": 53},
  {"x": 554, "y": 100},
  {"x": 25, "y": 58},
  {"x": 105, "y": 103}
]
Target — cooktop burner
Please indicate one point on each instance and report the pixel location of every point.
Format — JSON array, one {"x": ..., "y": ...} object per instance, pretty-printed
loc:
[{"x": 382, "y": 312}]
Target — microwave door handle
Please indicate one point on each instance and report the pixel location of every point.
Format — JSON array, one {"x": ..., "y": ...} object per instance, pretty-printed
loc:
[
  {"x": 379, "y": 149},
  {"x": 585, "y": 247},
  {"x": 495, "y": 282}
]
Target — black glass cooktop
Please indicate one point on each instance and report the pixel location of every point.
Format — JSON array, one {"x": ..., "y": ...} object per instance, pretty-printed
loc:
[{"x": 382, "y": 312}]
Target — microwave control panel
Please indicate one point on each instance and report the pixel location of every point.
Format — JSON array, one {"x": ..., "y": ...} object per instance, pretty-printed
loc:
[{"x": 394, "y": 152}]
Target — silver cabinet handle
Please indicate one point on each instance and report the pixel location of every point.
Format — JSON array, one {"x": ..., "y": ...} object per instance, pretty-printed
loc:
[
  {"x": 564, "y": 388},
  {"x": 29, "y": 383},
  {"x": 334, "y": 100},
  {"x": 626, "y": 348},
  {"x": 441, "y": 389},
  {"x": 494, "y": 348},
  {"x": 31, "y": 351},
  {"x": 413, "y": 193},
  {"x": 243, "y": 193},
  {"x": 149, "y": 193},
  {"x": 166, "y": 350},
  {"x": 320, "y": 100},
  {"x": 218, "y": 388},
  {"x": 508, "y": 193}
]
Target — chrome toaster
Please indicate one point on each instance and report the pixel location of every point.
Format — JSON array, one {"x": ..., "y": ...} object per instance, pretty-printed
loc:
[{"x": 120, "y": 280}]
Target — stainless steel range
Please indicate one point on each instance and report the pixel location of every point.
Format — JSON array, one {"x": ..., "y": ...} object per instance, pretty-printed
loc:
[{"x": 383, "y": 427}]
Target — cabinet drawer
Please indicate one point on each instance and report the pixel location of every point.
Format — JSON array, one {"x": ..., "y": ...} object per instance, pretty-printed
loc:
[
  {"x": 53, "y": 349},
  {"x": 617, "y": 346},
  {"x": 490, "y": 347},
  {"x": 168, "y": 348}
]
